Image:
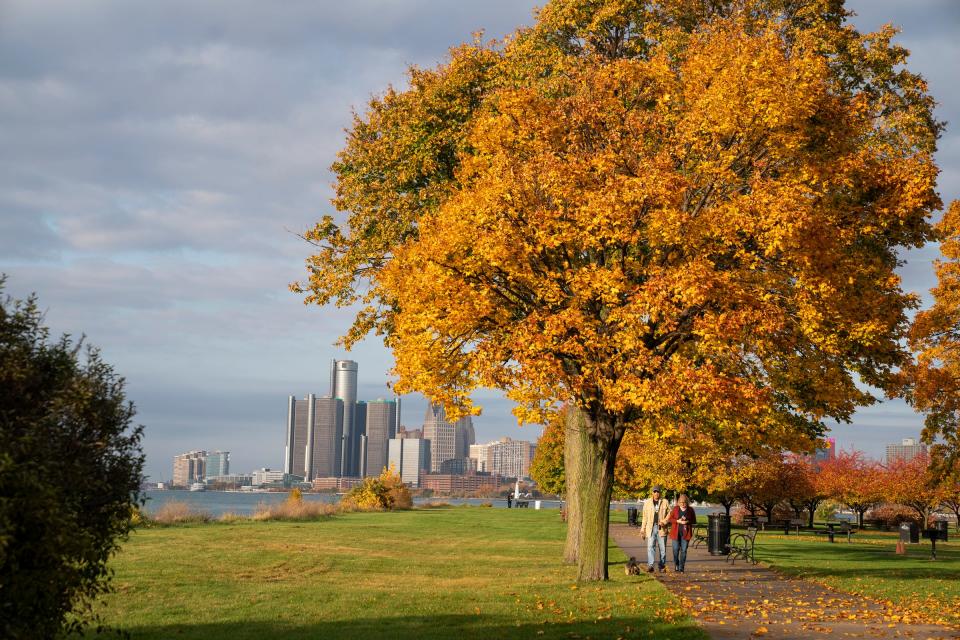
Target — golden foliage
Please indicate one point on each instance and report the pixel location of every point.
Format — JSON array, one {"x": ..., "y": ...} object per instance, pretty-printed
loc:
[
  {"x": 386, "y": 492},
  {"x": 932, "y": 383},
  {"x": 683, "y": 218}
]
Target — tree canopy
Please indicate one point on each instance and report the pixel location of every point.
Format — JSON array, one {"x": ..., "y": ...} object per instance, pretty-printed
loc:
[
  {"x": 670, "y": 215},
  {"x": 932, "y": 383}
]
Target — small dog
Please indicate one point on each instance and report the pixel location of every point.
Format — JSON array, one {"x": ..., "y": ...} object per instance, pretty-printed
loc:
[{"x": 632, "y": 568}]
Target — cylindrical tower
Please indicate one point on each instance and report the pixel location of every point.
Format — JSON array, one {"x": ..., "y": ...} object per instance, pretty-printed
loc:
[{"x": 345, "y": 387}]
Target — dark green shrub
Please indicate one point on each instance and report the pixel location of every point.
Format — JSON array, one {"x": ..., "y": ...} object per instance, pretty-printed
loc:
[{"x": 70, "y": 474}]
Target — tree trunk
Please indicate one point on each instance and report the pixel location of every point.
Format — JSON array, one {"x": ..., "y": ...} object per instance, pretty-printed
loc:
[
  {"x": 812, "y": 508},
  {"x": 575, "y": 441},
  {"x": 768, "y": 509},
  {"x": 727, "y": 506},
  {"x": 596, "y": 456}
]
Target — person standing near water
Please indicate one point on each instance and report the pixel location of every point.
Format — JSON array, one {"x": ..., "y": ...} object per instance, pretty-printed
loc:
[{"x": 681, "y": 520}]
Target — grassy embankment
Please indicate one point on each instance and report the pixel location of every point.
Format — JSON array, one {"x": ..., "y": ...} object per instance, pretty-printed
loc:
[
  {"x": 442, "y": 573},
  {"x": 870, "y": 566}
]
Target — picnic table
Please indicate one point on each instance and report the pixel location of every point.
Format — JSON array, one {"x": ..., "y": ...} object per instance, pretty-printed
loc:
[
  {"x": 793, "y": 523},
  {"x": 831, "y": 530}
]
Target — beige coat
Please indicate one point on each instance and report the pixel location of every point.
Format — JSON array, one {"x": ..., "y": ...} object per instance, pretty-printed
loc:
[{"x": 646, "y": 524}]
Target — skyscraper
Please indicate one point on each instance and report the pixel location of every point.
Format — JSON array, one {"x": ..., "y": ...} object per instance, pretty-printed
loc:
[
  {"x": 314, "y": 437},
  {"x": 465, "y": 435},
  {"x": 359, "y": 438},
  {"x": 217, "y": 464},
  {"x": 381, "y": 424},
  {"x": 343, "y": 385},
  {"x": 409, "y": 456},
  {"x": 327, "y": 438},
  {"x": 441, "y": 434}
]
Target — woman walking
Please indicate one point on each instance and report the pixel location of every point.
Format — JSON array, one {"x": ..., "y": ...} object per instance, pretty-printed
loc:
[{"x": 682, "y": 518}]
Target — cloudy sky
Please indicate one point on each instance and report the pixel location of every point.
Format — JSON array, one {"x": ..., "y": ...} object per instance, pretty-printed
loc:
[{"x": 159, "y": 158}]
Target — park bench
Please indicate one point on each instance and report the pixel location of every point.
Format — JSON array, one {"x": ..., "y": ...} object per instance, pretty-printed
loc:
[
  {"x": 699, "y": 535},
  {"x": 523, "y": 504},
  {"x": 741, "y": 546}
]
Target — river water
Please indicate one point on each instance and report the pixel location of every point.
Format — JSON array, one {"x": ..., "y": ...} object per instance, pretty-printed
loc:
[{"x": 217, "y": 503}]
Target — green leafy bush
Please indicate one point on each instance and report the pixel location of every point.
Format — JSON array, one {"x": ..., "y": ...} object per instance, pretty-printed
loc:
[{"x": 70, "y": 475}]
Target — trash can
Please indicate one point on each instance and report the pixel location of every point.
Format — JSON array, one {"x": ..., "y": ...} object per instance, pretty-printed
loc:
[
  {"x": 632, "y": 516},
  {"x": 536, "y": 504},
  {"x": 718, "y": 534},
  {"x": 942, "y": 527},
  {"x": 909, "y": 532}
]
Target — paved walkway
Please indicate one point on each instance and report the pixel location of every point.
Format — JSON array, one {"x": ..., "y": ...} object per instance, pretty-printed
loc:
[{"x": 749, "y": 601}]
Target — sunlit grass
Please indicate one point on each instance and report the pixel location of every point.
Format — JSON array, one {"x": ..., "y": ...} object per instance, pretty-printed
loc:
[{"x": 440, "y": 573}]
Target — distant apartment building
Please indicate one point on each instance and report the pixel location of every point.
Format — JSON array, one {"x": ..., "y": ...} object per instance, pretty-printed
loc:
[
  {"x": 380, "y": 428},
  {"x": 314, "y": 437},
  {"x": 455, "y": 483},
  {"x": 233, "y": 480},
  {"x": 189, "y": 468},
  {"x": 274, "y": 478},
  {"x": 413, "y": 434},
  {"x": 908, "y": 449},
  {"x": 339, "y": 484},
  {"x": 459, "y": 466},
  {"x": 480, "y": 455},
  {"x": 217, "y": 464},
  {"x": 409, "y": 457},
  {"x": 510, "y": 458},
  {"x": 264, "y": 476}
]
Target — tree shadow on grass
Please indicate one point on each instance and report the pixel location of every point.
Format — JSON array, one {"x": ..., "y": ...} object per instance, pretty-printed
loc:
[{"x": 460, "y": 627}]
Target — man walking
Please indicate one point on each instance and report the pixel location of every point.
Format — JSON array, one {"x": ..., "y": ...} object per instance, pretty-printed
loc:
[{"x": 652, "y": 528}]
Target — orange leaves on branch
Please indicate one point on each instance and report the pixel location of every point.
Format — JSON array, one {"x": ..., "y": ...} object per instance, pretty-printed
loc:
[
  {"x": 666, "y": 214},
  {"x": 932, "y": 383}
]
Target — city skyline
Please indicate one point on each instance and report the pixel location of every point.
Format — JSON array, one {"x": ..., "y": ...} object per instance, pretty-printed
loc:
[{"x": 156, "y": 180}]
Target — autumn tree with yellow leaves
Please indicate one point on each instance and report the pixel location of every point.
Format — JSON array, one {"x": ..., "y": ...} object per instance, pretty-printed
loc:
[{"x": 663, "y": 214}]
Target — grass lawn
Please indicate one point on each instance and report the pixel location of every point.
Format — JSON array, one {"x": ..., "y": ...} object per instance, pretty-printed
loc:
[
  {"x": 442, "y": 573},
  {"x": 870, "y": 566}
]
